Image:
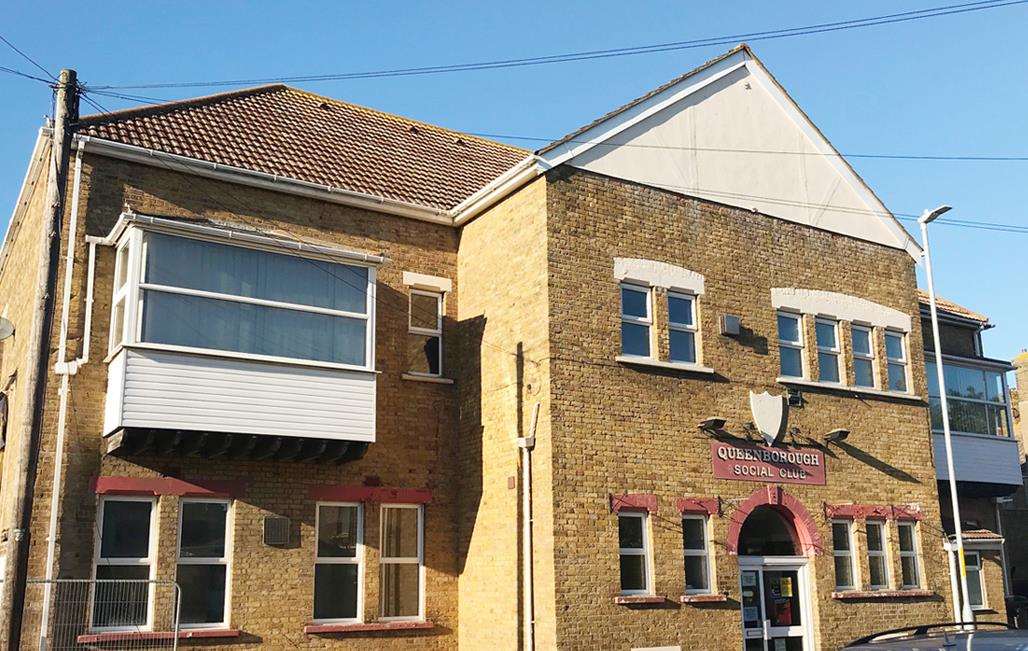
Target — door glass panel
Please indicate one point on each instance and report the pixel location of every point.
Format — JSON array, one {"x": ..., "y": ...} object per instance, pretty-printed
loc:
[
  {"x": 751, "y": 610},
  {"x": 785, "y": 644},
  {"x": 781, "y": 597}
]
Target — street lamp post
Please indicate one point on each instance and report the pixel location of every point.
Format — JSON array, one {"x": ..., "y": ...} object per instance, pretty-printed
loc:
[{"x": 926, "y": 218}]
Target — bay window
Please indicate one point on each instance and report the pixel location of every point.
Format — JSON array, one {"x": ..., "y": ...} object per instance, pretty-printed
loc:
[
  {"x": 977, "y": 399},
  {"x": 790, "y": 344},
  {"x": 203, "y": 551},
  {"x": 124, "y": 565},
  {"x": 338, "y": 563},
  {"x": 636, "y": 320},
  {"x": 402, "y": 562}
]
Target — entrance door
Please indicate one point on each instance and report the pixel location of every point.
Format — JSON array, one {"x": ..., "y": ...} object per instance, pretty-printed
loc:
[{"x": 774, "y": 612}]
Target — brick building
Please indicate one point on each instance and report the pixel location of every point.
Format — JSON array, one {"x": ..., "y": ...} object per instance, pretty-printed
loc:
[{"x": 303, "y": 351}]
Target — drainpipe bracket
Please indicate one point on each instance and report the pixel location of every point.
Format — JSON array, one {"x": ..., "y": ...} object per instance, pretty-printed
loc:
[{"x": 526, "y": 442}]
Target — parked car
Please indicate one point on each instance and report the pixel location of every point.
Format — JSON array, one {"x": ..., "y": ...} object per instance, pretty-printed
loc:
[{"x": 980, "y": 636}]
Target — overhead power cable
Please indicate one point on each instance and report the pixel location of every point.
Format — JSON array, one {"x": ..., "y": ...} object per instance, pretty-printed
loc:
[
  {"x": 788, "y": 32},
  {"x": 12, "y": 71},
  {"x": 28, "y": 58}
]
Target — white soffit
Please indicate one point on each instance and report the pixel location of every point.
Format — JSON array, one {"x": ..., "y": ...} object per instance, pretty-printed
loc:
[
  {"x": 706, "y": 136},
  {"x": 840, "y": 306},
  {"x": 658, "y": 274}
]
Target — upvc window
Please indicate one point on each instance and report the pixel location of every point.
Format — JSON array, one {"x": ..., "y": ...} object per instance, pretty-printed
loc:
[
  {"x": 790, "y": 344},
  {"x": 339, "y": 562},
  {"x": 828, "y": 350},
  {"x": 204, "y": 546},
  {"x": 681, "y": 327},
  {"x": 843, "y": 549},
  {"x": 125, "y": 550},
  {"x": 911, "y": 572},
  {"x": 696, "y": 549},
  {"x": 863, "y": 357},
  {"x": 975, "y": 585},
  {"x": 977, "y": 399},
  {"x": 425, "y": 333},
  {"x": 201, "y": 296},
  {"x": 634, "y": 553},
  {"x": 896, "y": 361},
  {"x": 877, "y": 556},
  {"x": 402, "y": 562},
  {"x": 636, "y": 320}
]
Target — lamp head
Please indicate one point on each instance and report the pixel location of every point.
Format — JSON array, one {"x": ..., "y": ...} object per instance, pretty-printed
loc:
[
  {"x": 713, "y": 424},
  {"x": 837, "y": 435},
  {"x": 928, "y": 216}
]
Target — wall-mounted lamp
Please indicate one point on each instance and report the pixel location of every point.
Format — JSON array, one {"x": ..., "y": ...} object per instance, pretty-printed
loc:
[
  {"x": 711, "y": 426},
  {"x": 837, "y": 435}
]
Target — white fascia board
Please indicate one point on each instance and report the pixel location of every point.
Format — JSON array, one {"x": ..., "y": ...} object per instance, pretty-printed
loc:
[
  {"x": 20, "y": 203},
  {"x": 761, "y": 75},
  {"x": 425, "y": 281},
  {"x": 628, "y": 118},
  {"x": 262, "y": 180},
  {"x": 497, "y": 189}
]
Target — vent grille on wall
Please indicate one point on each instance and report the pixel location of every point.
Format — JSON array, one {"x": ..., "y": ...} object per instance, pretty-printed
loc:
[{"x": 276, "y": 530}]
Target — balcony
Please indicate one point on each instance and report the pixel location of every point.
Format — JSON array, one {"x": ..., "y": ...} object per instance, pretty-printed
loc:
[{"x": 985, "y": 455}]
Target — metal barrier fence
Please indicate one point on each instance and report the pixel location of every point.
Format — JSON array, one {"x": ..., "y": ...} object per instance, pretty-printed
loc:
[{"x": 104, "y": 613}]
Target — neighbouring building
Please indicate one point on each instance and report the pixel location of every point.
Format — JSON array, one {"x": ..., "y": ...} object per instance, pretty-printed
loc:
[
  {"x": 303, "y": 351},
  {"x": 1014, "y": 512}
]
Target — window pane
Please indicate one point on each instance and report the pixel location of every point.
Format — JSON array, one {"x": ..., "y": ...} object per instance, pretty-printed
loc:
[
  {"x": 840, "y": 536},
  {"x": 223, "y": 325},
  {"x": 825, "y": 334},
  {"x": 874, "y": 537},
  {"x": 909, "y": 566},
  {"x": 792, "y": 362},
  {"x": 630, "y": 532},
  {"x": 906, "y": 538},
  {"x": 424, "y": 311},
  {"x": 994, "y": 387},
  {"x": 679, "y": 310},
  {"x": 423, "y": 353},
  {"x": 203, "y": 529},
  {"x": 633, "y": 572},
  {"x": 861, "y": 341},
  {"x": 696, "y": 573},
  {"x": 126, "y": 529},
  {"x": 117, "y": 324},
  {"x": 203, "y": 593},
  {"x": 876, "y": 564},
  {"x": 693, "y": 534},
  {"x": 400, "y": 533},
  {"x": 997, "y": 420},
  {"x": 400, "y": 590},
  {"x": 974, "y": 587},
  {"x": 828, "y": 366},
  {"x": 123, "y": 269},
  {"x": 843, "y": 572},
  {"x": 335, "y": 591},
  {"x": 635, "y": 303},
  {"x": 897, "y": 377},
  {"x": 682, "y": 346},
  {"x": 121, "y": 603},
  {"x": 864, "y": 372},
  {"x": 788, "y": 328},
  {"x": 894, "y": 346},
  {"x": 337, "y": 531},
  {"x": 635, "y": 339},
  {"x": 195, "y": 264}
]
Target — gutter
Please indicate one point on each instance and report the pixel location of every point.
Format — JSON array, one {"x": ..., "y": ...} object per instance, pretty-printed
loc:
[{"x": 497, "y": 189}]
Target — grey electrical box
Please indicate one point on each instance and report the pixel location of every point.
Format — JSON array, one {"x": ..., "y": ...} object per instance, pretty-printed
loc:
[
  {"x": 730, "y": 324},
  {"x": 276, "y": 530}
]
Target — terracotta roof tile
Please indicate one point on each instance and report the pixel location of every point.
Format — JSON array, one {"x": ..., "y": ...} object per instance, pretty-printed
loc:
[
  {"x": 951, "y": 307},
  {"x": 296, "y": 134}
]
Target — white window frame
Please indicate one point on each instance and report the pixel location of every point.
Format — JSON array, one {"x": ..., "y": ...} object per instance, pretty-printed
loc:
[
  {"x": 358, "y": 559},
  {"x": 136, "y": 239},
  {"x": 883, "y": 553},
  {"x": 430, "y": 332},
  {"x": 910, "y": 553},
  {"x": 646, "y": 551},
  {"x": 394, "y": 560},
  {"x": 979, "y": 568},
  {"x": 869, "y": 357},
  {"x": 903, "y": 361},
  {"x": 684, "y": 327},
  {"x": 835, "y": 352},
  {"x": 851, "y": 554},
  {"x": 225, "y": 560},
  {"x": 125, "y": 261},
  {"x": 647, "y": 321},
  {"x": 150, "y": 560},
  {"x": 795, "y": 345},
  {"x": 705, "y": 553}
]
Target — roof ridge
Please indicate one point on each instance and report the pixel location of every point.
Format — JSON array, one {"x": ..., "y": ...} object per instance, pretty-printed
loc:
[{"x": 174, "y": 105}]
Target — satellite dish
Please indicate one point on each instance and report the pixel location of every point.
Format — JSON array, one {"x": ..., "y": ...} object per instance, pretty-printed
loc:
[{"x": 6, "y": 328}]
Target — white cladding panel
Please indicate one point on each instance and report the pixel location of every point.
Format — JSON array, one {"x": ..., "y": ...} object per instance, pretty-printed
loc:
[
  {"x": 984, "y": 459},
  {"x": 176, "y": 390},
  {"x": 685, "y": 148}
]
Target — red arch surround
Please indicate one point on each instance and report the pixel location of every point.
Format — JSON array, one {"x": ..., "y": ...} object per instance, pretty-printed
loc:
[{"x": 788, "y": 506}]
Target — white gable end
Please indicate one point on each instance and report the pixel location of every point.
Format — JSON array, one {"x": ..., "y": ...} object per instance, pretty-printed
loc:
[{"x": 677, "y": 140}]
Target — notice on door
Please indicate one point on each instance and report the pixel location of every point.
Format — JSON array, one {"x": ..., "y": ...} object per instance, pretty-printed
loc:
[{"x": 753, "y": 462}]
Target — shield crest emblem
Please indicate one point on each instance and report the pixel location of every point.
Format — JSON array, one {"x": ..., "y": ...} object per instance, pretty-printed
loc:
[{"x": 768, "y": 415}]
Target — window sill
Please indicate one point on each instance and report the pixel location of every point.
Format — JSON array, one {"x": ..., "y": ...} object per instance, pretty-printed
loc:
[
  {"x": 184, "y": 634},
  {"x": 371, "y": 627},
  {"x": 656, "y": 363},
  {"x": 638, "y": 599},
  {"x": 432, "y": 379},
  {"x": 846, "y": 388},
  {"x": 854, "y": 595},
  {"x": 703, "y": 598}
]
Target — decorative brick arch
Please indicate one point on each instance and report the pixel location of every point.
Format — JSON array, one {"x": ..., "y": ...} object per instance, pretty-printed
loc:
[{"x": 790, "y": 508}]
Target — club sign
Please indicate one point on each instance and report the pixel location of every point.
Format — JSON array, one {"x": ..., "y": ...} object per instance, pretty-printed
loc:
[{"x": 754, "y": 462}]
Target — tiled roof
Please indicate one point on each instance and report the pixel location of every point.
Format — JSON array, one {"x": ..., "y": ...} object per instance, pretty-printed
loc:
[
  {"x": 981, "y": 534},
  {"x": 299, "y": 135},
  {"x": 951, "y": 307}
]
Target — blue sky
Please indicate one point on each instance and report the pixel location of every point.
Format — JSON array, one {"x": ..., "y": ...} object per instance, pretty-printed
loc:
[{"x": 948, "y": 85}]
